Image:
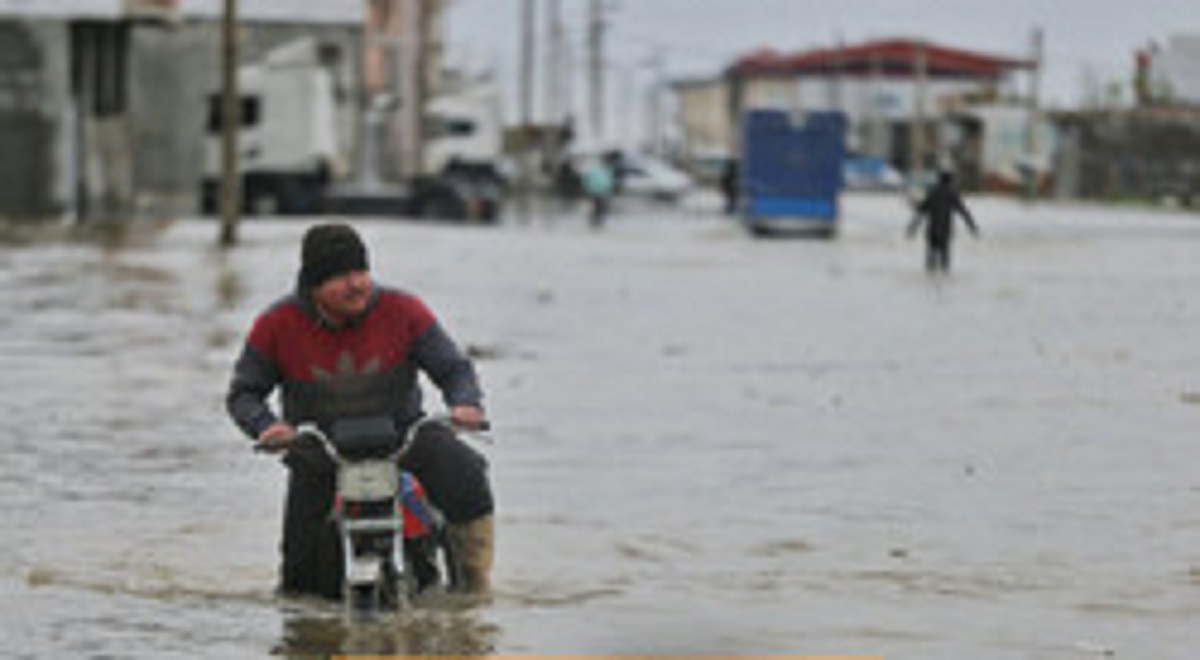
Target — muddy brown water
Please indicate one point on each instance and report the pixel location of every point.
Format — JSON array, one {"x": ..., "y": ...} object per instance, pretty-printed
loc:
[{"x": 705, "y": 443}]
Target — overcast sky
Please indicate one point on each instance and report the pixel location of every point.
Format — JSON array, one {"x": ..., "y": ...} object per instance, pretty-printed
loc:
[{"x": 1082, "y": 37}]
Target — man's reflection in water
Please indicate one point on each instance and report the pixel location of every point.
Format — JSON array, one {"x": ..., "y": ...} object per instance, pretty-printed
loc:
[{"x": 412, "y": 632}]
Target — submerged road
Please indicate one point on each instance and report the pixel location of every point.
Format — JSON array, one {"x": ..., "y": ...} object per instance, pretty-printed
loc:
[{"x": 706, "y": 443}]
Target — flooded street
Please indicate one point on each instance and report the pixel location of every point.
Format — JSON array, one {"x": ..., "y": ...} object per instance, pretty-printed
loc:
[{"x": 706, "y": 443}]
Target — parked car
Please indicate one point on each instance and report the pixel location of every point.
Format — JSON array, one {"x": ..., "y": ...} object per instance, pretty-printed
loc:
[
  {"x": 871, "y": 173},
  {"x": 649, "y": 177}
]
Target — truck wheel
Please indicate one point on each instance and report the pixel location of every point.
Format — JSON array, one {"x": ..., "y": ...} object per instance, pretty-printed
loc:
[
  {"x": 758, "y": 229},
  {"x": 491, "y": 213}
]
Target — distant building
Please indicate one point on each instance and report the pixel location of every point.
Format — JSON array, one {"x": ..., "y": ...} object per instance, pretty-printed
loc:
[
  {"x": 885, "y": 87},
  {"x": 704, "y": 117},
  {"x": 1149, "y": 154},
  {"x": 103, "y": 103}
]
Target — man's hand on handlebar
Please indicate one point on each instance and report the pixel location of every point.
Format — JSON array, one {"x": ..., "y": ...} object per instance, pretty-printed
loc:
[
  {"x": 470, "y": 418},
  {"x": 277, "y": 437}
]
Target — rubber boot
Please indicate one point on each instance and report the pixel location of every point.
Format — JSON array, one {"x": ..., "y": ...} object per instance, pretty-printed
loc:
[{"x": 475, "y": 543}]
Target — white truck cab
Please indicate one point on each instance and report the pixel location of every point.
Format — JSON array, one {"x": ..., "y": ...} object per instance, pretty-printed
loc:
[{"x": 289, "y": 146}]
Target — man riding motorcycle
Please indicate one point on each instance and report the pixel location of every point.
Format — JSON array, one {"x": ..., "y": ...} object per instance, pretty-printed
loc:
[{"x": 341, "y": 346}]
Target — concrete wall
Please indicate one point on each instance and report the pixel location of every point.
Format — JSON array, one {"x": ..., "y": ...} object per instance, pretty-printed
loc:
[
  {"x": 154, "y": 153},
  {"x": 34, "y": 84},
  {"x": 704, "y": 118}
]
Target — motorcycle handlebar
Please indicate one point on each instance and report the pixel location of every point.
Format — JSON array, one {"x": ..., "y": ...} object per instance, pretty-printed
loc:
[
  {"x": 481, "y": 433},
  {"x": 305, "y": 430}
]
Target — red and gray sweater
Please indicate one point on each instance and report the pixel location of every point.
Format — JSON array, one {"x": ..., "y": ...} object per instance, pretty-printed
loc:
[{"x": 366, "y": 368}]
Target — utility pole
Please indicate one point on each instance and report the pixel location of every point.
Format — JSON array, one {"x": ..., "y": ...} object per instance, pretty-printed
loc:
[
  {"x": 552, "y": 69},
  {"x": 552, "y": 83},
  {"x": 231, "y": 120},
  {"x": 625, "y": 129},
  {"x": 527, "y": 32},
  {"x": 567, "y": 73},
  {"x": 528, "y": 65},
  {"x": 916, "y": 155},
  {"x": 596, "y": 28},
  {"x": 879, "y": 146},
  {"x": 410, "y": 85},
  {"x": 836, "y": 92},
  {"x": 654, "y": 99},
  {"x": 1030, "y": 170},
  {"x": 426, "y": 65}
]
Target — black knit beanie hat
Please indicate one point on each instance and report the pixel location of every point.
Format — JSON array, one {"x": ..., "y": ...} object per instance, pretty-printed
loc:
[{"x": 330, "y": 250}]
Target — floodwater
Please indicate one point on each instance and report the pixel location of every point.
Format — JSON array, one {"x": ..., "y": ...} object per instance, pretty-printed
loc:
[{"x": 706, "y": 443}]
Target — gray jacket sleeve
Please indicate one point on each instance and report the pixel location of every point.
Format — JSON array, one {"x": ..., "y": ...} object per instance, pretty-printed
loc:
[
  {"x": 438, "y": 356},
  {"x": 254, "y": 378}
]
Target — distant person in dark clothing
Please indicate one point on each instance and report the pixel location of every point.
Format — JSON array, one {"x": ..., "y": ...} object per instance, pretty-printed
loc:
[
  {"x": 937, "y": 211},
  {"x": 566, "y": 135},
  {"x": 568, "y": 184},
  {"x": 615, "y": 160},
  {"x": 729, "y": 186}
]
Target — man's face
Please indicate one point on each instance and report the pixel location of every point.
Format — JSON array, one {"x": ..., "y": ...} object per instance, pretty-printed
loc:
[{"x": 344, "y": 296}]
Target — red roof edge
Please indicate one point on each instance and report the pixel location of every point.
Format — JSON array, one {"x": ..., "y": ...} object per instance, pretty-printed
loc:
[{"x": 888, "y": 55}]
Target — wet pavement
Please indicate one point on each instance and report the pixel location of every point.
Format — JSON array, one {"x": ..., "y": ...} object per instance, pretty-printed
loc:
[{"x": 706, "y": 443}]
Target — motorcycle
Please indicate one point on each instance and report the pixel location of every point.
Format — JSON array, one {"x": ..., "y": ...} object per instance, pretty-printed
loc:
[{"x": 391, "y": 535}]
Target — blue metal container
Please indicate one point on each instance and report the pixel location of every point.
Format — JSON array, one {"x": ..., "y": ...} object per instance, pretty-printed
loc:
[{"x": 791, "y": 172}]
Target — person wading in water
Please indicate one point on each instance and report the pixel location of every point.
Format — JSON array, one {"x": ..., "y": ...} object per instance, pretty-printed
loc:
[{"x": 937, "y": 211}]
